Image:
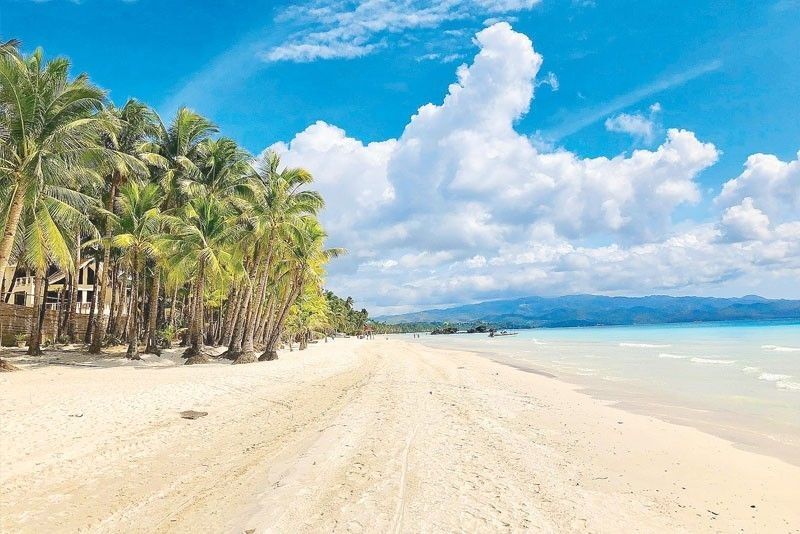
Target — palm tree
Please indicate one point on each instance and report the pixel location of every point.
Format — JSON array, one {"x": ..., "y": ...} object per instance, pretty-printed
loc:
[
  {"x": 306, "y": 256},
  {"x": 279, "y": 205},
  {"x": 178, "y": 205},
  {"x": 136, "y": 231},
  {"x": 47, "y": 230},
  {"x": 202, "y": 245},
  {"x": 310, "y": 315},
  {"x": 182, "y": 146},
  {"x": 52, "y": 129},
  {"x": 137, "y": 125},
  {"x": 224, "y": 170}
]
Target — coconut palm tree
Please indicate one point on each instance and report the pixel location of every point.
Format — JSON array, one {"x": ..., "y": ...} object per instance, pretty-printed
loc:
[
  {"x": 305, "y": 258},
  {"x": 136, "y": 231},
  {"x": 182, "y": 145},
  {"x": 46, "y": 237},
  {"x": 202, "y": 244},
  {"x": 52, "y": 132},
  {"x": 308, "y": 316},
  {"x": 138, "y": 124},
  {"x": 224, "y": 170},
  {"x": 177, "y": 205},
  {"x": 279, "y": 205}
]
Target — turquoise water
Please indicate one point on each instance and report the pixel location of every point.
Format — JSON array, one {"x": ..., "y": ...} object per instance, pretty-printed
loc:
[{"x": 738, "y": 379}]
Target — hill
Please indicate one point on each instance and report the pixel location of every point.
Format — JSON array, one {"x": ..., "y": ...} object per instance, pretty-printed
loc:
[{"x": 593, "y": 310}]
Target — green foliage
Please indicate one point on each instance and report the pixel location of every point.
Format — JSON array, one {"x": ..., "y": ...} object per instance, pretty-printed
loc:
[
  {"x": 159, "y": 201},
  {"x": 344, "y": 318},
  {"x": 444, "y": 330}
]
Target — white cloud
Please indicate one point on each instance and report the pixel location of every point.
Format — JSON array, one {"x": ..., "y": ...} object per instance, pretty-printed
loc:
[
  {"x": 640, "y": 127},
  {"x": 461, "y": 206},
  {"x": 636, "y": 125},
  {"x": 335, "y": 29},
  {"x": 744, "y": 222},
  {"x": 772, "y": 184},
  {"x": 583, "y": 118},
  {"x": 353, "y": 174},
  {"x": 549, "y": 79}
]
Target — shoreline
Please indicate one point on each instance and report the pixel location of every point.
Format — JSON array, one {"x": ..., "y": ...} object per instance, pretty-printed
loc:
[
  {"x": 362, "y": 435},
  {"x": 649, "y": 404}
]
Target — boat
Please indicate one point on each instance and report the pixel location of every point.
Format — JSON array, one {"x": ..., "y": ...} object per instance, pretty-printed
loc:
[{"x": 501, "y": 333}]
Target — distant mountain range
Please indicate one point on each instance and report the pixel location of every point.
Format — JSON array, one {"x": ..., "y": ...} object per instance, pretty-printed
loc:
[{"x": 594, "y": 310}]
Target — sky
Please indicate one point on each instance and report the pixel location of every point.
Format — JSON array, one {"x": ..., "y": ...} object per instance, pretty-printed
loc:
[{"x": 479, "y": 149}]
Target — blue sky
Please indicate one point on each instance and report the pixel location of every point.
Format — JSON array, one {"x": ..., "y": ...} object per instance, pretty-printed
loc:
[{"x": 614, "y": 76}]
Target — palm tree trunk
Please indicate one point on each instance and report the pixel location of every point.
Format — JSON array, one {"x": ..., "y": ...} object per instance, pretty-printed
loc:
[
  {"x": 270, "y": 353},
  {"x": 122, "y": 302},
  {"x": 10, "y": 228},
  {"x": 173, "y": 308},
  {"x": 114, "y": 287},
  {"x": 35, "y": 337},
  {"x": 230, "y": 314},
  {"x": 187, "y": 312},
  {"x": 101, "y": 323},
  {"x": 72, "y": 318},
  {"x": 196, "y": 351},
  {"x": 248, "y": 349},
  {"x": 133, "y": 315},
  {"x": 152, "y": 334},
  {"x": 262, "y": 319},
  {"x": 93, "y": 305},
  {"x": 60, "y": 310},
  {"x": 130, "y": 304},
  {"x": 269, "y": 320},
  {"x": 248, "y": 354},
  {"x": 235, "y": 346}
]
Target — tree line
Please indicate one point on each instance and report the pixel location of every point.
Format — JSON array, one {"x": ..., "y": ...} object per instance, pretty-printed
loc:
[{"x": 192, "y": 239}]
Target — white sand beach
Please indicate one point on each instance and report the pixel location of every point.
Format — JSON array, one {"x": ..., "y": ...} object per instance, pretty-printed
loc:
[{"x": 361, "y": 436}]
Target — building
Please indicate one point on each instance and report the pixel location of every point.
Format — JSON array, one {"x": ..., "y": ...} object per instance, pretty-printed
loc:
[{"x": 21, "y": 287}]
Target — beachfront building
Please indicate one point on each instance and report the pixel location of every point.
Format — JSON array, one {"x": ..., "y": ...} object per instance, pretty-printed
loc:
[{"x": 21, "y": 287}]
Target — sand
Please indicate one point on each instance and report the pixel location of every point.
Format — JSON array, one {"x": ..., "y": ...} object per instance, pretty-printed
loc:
[{"x": 361, "y": 436}]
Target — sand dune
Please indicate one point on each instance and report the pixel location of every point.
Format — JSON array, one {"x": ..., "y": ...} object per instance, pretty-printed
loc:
[{"x": 362, "y": 436}]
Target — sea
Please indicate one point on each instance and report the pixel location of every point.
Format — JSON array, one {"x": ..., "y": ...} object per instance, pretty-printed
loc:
[{"x": 739, "y": 380}]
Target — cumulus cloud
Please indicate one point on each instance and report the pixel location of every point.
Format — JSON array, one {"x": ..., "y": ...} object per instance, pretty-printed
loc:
[
  {"x": 330, "y": 29},
  {"x": 771, "y": 184},
  {"x": 461, "y": 206},
  {"x": 744, "y": 222}
]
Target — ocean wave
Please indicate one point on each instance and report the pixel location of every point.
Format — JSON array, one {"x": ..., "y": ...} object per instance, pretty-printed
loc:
[
  {"x": 788, "y": 385},
  {"x": 644, "y": 345},
  {"x": 751, "y": 369},
  {"x": 778, "y": 348},
  {"x": 773, "y": 377},
  {"x": 672, "y": 356},
  {"x": 713, "y": 361}
]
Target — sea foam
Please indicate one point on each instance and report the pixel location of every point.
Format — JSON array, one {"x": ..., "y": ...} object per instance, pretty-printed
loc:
[
  {"x": 773, "y": 377},
  {"x": 644, "y": 345},
  {"x": 788, "y": 385},
  {"x": 672, "y": 356},
  {"x": 751, "y": 369},
  {"x": 713, "y": 361},
  {"x": 778, "y": 348}
]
